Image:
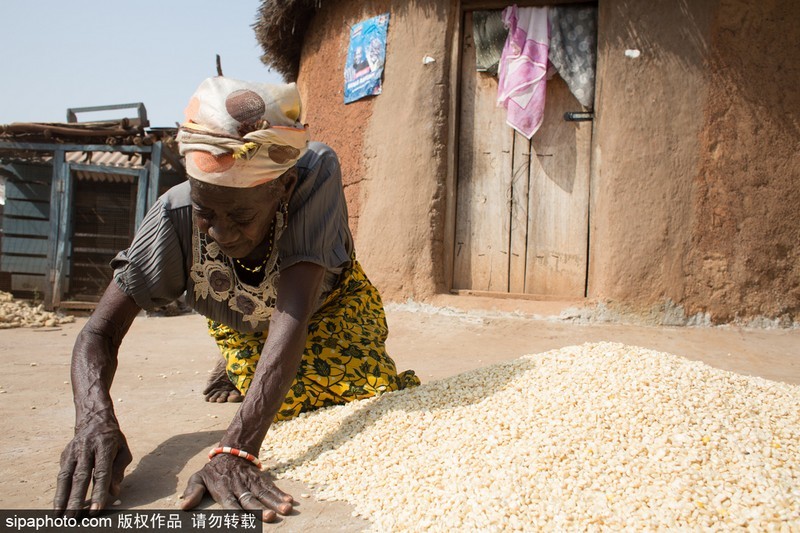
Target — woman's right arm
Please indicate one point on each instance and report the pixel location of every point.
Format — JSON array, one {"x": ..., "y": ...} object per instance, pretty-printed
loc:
[{"x": 98, "y": 451}]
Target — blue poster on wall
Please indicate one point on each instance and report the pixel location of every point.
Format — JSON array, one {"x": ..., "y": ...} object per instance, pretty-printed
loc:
[{"x": 365, "y": 57}]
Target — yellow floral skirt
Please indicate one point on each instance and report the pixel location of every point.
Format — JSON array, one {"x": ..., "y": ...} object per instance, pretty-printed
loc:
[{"x": 344, "y": 358}]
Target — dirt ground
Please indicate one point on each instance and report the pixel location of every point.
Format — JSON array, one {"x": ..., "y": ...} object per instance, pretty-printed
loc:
[{"x": 164, "y": 363}]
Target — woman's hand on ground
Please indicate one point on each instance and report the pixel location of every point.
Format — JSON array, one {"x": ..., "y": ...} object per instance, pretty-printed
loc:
[
  {"x": 97, "y": 453},
  {"x": 236, "y": 483}
]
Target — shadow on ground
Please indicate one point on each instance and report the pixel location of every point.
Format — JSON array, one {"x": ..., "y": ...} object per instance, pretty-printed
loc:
[{"x": 156, "y": 475}]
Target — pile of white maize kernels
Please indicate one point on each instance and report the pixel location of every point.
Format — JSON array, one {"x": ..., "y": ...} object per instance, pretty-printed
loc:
[
  {"x": 592, "y": 437},
  {"x": 19, "y": 314}
]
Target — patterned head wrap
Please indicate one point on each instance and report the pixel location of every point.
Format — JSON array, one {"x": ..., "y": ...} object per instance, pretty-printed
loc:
[{"x": 242, "y": 134}]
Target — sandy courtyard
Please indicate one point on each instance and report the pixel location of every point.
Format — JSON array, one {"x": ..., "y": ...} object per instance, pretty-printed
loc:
[{"x": 164, "y": 364}]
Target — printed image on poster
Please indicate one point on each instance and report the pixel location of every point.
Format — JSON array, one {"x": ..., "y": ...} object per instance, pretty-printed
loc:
[{"x": 365, "y": 57}]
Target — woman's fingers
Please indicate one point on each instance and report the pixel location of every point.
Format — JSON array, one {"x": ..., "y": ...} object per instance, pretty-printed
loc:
[
  {"x": 236, "y": 484},
  {"x": 274, "y": 498},
  {"x": 271, "y": 496},
  {"x": 121, "y": 462},
  {"x": 248, "y": 501},
  {"x": 279, "y": 493},
  {"x": 108, "y": 475},
  {"x": 266, "y": 498},
  {"x": 63, "y": 484},
  {"x": 102, "y": 482},
  {"x": 99, "y": 453},
  {"x": 80, "y": 485},
  {"x": 194, "y": 492},
  {"x": 73, "y": 481},
  {"x": 229, "y": 500},
  {"x": 261, "y": 498}
]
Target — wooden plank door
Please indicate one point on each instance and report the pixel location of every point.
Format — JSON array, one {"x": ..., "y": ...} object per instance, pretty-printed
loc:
[
  {"x": 558, "y": 200},
  {"x": 484, "y": 181},
  {"x": 522, "y": 206}
]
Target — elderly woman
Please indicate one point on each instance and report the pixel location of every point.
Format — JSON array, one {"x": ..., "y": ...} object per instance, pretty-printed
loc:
[{"x": 258, "y": 240}]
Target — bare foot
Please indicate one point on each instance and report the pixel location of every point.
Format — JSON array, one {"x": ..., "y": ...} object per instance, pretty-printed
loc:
[{"x": 219, "y": 388}]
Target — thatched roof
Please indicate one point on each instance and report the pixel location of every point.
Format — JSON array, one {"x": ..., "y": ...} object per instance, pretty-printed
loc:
[{"x": 280, "y": 29}]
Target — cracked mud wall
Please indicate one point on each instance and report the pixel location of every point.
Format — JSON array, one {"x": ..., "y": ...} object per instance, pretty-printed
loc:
[
  {"x": 696, "y": 165},
  {"x": 745, "y": 258}
]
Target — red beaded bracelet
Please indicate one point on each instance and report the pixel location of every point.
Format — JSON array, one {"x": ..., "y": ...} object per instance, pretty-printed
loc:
[{"x": 234, "y": 451}]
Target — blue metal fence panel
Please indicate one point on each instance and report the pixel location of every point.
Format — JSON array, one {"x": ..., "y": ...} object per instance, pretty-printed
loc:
[
  {"x": 62, "y": 196},
  {"x": 26, "y": 225}
]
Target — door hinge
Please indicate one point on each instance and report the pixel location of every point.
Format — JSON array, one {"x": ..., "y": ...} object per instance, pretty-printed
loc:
[{"x": 578, "y": 116}]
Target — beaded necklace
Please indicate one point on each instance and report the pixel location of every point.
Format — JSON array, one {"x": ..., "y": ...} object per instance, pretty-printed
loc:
[{"x": 256, "y": 270}]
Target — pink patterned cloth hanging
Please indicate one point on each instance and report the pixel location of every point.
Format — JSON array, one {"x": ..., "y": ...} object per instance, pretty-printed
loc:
[{"x": 523, "y": 67}]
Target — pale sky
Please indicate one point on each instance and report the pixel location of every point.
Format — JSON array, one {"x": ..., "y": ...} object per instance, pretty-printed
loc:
[{"x": 59, "y": 54}]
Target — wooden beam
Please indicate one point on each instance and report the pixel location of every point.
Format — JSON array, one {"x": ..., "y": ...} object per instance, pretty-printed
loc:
[
  {"x": 48, "y": 130},
  {"x": 51, "y": 147},
  {"x": 88, "y": 306}
]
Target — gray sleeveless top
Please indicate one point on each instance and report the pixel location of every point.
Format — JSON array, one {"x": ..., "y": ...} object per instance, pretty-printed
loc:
[{"x": 168, "y": 256}]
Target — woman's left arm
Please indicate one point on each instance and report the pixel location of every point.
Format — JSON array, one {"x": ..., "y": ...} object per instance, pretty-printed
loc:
[
  {"x": 235, "y": 482},
  {"x": 297, "y": 296}
]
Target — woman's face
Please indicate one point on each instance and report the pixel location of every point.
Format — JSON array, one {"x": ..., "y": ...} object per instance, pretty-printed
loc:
[{"x": 237, "y": 219}]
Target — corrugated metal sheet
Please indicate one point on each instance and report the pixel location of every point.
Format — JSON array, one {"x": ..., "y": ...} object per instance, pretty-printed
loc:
[
  {"x": 106, "y": 159},
  {"x": 83, "y": 175},
  {"x": 109, "y": 160}
]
